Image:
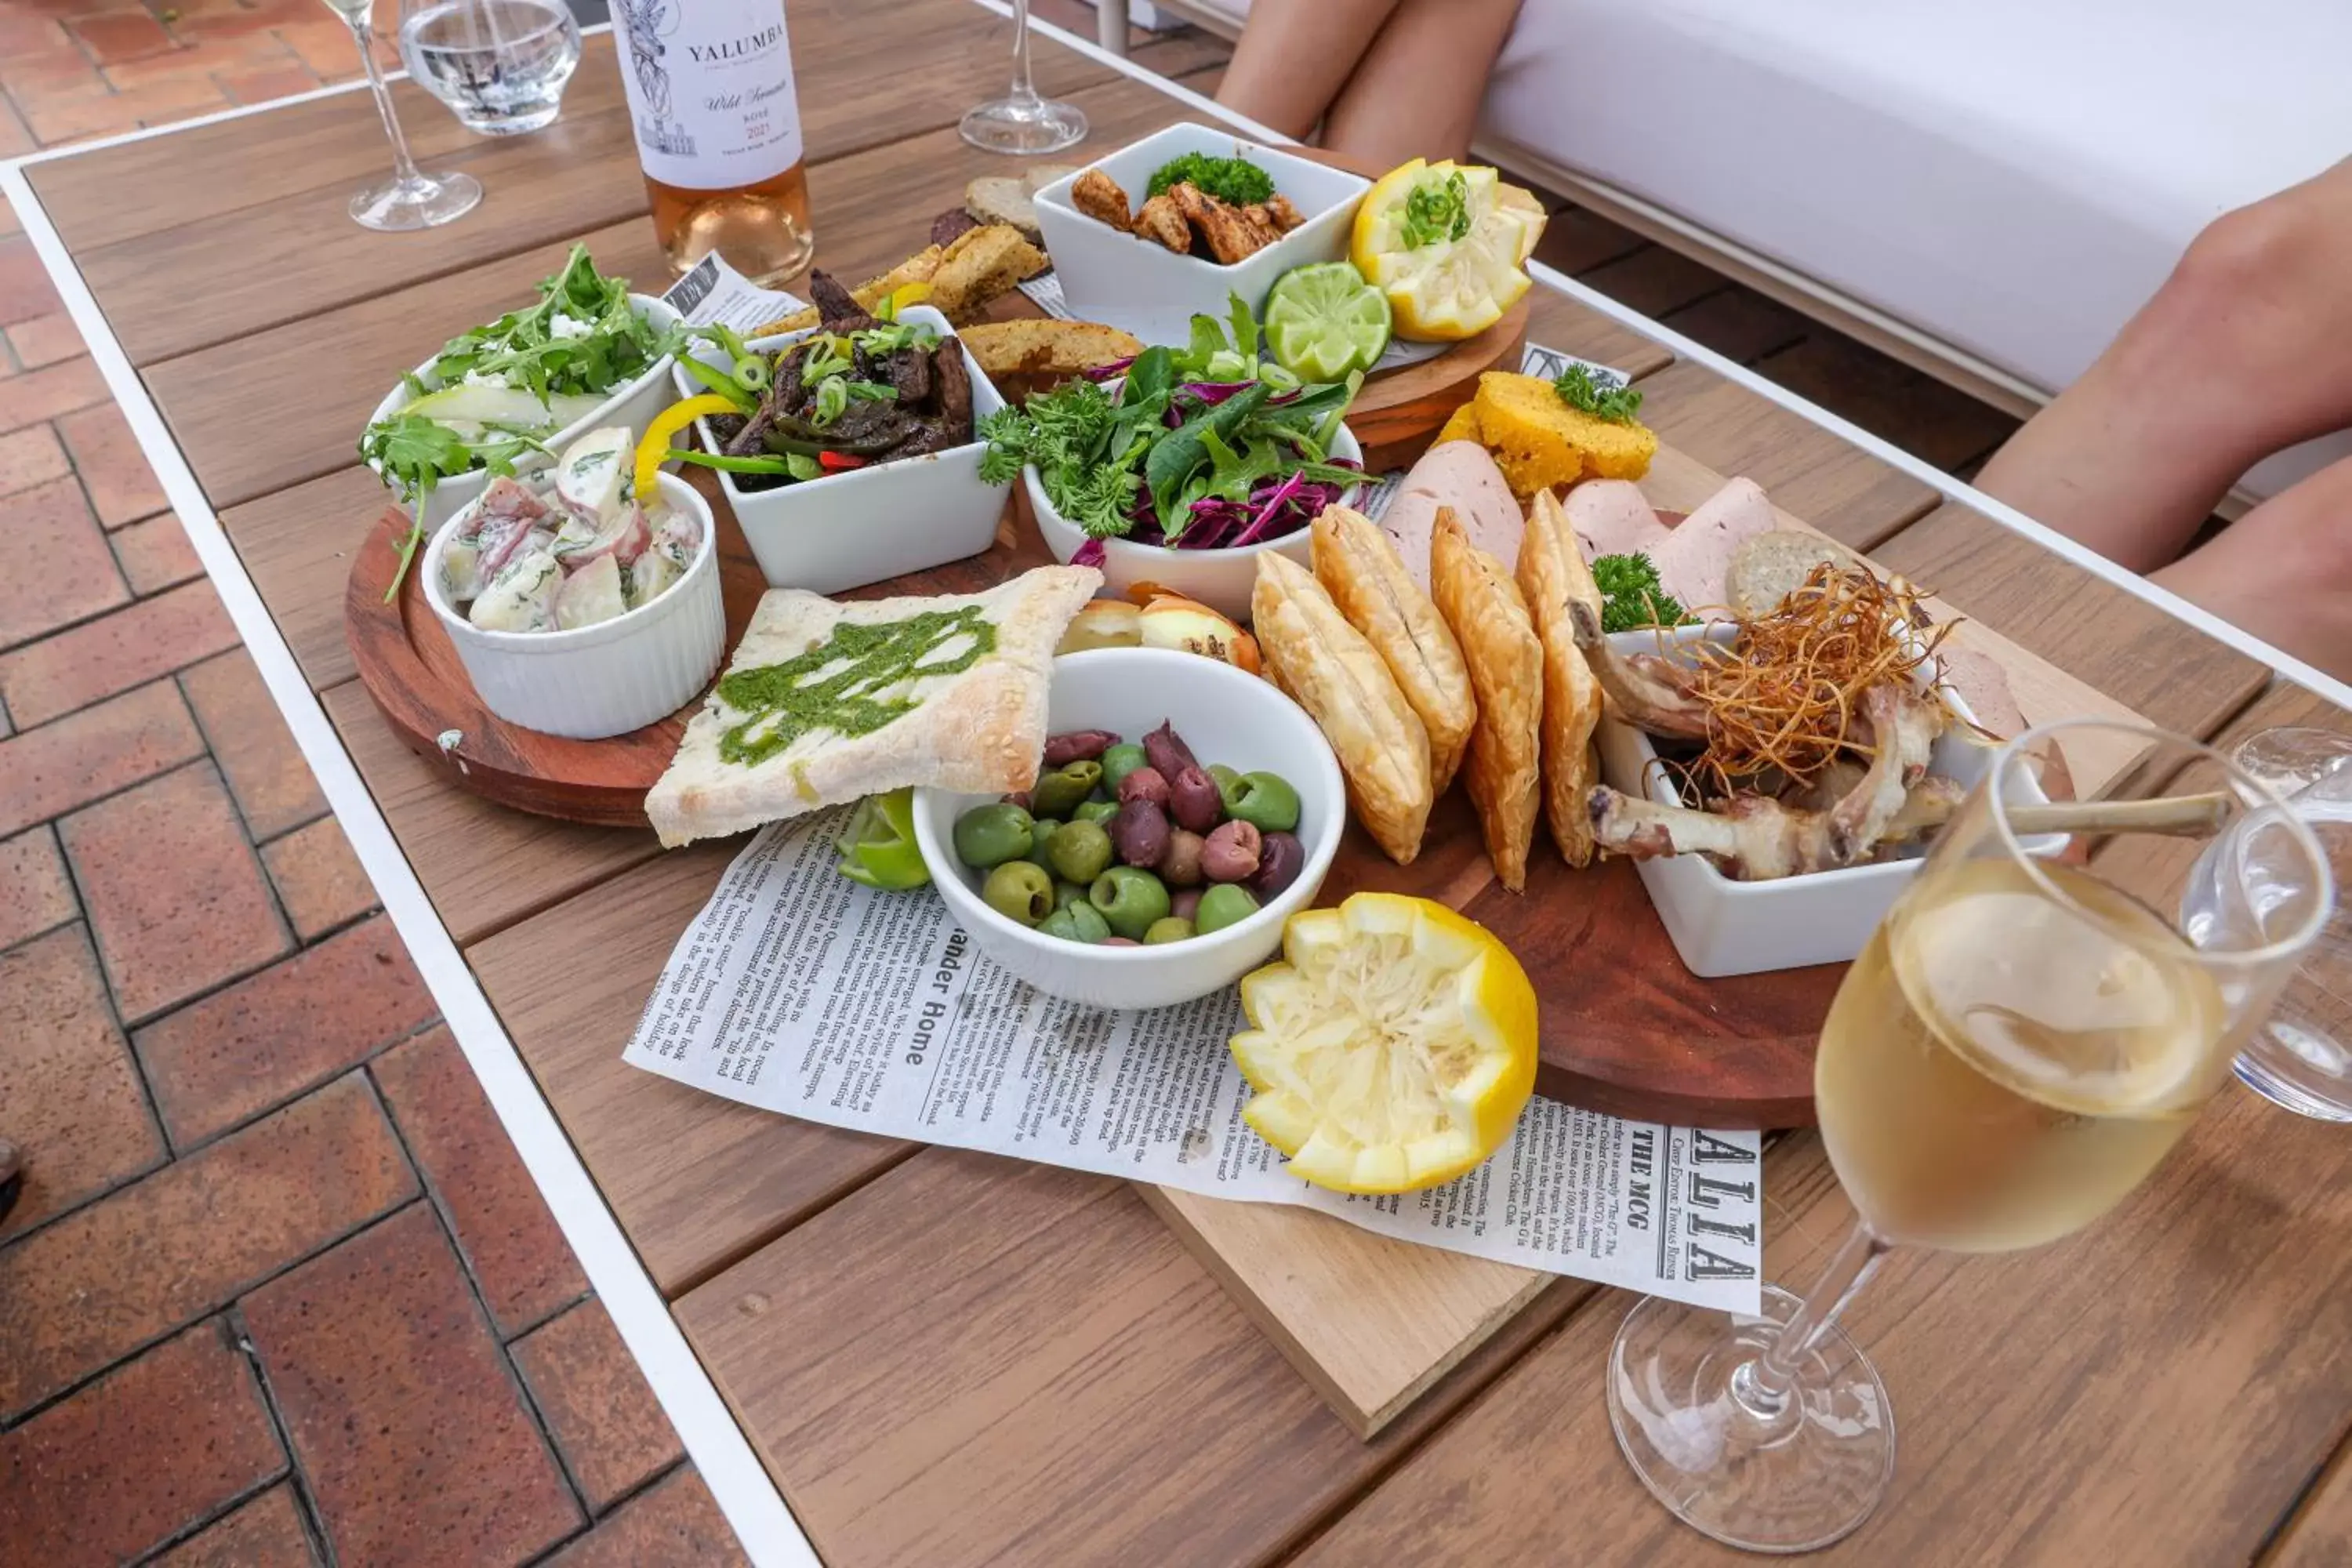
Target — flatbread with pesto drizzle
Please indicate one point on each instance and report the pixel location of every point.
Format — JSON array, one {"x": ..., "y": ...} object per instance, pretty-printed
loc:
[{"x": 826, "y": 700}]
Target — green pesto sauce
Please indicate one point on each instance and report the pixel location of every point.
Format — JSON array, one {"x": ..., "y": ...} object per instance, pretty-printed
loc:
[{"x": 808, "y": 692}]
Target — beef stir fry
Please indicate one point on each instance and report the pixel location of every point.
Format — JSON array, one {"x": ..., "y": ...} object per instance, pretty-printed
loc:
[{"x": 858, "y": 390}]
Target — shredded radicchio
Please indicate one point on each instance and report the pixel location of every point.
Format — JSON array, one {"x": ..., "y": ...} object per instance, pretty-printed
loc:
[
  {"x": 1276, "y": 509},
  {"x": 1110, "y": 372},
  {"x": 1090, "y": 553}
]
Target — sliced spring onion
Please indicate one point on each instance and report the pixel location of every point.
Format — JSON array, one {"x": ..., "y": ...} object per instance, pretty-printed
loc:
[
  {"x": 719, "y": 381},
  {"x": 752, "y": 374}
]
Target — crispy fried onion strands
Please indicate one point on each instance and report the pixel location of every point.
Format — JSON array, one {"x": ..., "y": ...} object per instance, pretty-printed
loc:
[{"x": 1782, "y": 695}]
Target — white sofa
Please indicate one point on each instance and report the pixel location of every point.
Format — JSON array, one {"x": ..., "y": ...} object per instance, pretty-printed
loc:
[{"x": 1986, "y": 190}]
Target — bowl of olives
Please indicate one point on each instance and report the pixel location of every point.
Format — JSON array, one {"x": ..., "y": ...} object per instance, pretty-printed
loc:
[{"x": 1184, "y": 810}]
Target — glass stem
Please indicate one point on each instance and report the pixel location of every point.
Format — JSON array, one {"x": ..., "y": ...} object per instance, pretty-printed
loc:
[
  {"x": 1024, "y": 88},
  {"x": 403, "y": 167},
  {"x": 1762, "y": 1386}
]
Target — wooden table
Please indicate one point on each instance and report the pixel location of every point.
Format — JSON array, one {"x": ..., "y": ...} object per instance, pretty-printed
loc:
[{"x": 939, "y": 1358}]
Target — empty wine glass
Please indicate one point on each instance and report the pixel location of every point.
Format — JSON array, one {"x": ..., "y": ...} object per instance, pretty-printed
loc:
[
  {"x": 411, "y": 199},
  {"x": 500, "y": 65},
  {"x": 2300, "y": 1058},
  {"x": 1020, "y": 121}
]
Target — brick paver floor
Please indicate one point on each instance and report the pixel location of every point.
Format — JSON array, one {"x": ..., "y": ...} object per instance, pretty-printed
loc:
[{"x": 278, "y": 1290}]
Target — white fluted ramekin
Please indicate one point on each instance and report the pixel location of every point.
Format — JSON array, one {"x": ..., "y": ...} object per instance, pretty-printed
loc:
[{"x": 609, "y": 679}]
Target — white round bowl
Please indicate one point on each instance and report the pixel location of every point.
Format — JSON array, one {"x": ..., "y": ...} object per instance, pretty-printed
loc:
[
  {"x": 1225, "y": 716},
  {"x": 633, "y": 405},
  {"x": 609, "y": 679},
  {"x": 1220, "y": 579}
]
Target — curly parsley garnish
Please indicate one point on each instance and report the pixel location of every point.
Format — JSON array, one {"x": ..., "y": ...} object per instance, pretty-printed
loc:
[
  {"x": 1577, "y": 388},
  {"x": 1437, "y": 211},
  {"x": 1632, "y": 595},
  {"x": 1235, "y": 180}
]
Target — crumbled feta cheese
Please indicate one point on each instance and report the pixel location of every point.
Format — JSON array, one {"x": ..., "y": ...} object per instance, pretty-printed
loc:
[
  {"x": 563, "y": 326},
  {"x": 486, "y": 378}
]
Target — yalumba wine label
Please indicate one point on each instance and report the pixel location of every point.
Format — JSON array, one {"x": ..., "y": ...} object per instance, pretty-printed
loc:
[{"x": 710, "y": 89}]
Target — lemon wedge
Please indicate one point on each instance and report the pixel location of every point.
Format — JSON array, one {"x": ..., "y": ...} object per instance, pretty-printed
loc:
[
  {"x": 1448, "y": 244},
  {"x": 1392, "y": 1049}
]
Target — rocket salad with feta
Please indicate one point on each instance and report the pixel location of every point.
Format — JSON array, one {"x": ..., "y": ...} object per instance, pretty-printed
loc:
[{"x": 499, "y": 391}]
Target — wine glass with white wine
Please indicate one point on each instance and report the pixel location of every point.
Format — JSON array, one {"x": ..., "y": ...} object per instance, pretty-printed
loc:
[
  {"x": 411, "y": 199},
  {"x": 2032, "y": 1028},
  {"x": 1020, "y": 121}
]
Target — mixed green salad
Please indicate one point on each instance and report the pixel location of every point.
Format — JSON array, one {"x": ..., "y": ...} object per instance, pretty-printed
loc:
[
  {"x": 1209, "y": 447},
  {"x": 499, "y": 391}
]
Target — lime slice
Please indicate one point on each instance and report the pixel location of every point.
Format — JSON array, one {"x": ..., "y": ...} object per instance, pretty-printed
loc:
[{"x": 1324, "y": 320}]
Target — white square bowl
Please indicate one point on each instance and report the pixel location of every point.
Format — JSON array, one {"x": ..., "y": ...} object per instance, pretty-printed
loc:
[
  {"x": 1149, "y": 289},
  {"x": 1721, "y": 927},
  {"x": 845, "y": 530},
  {"x": 633, "y": 405}
]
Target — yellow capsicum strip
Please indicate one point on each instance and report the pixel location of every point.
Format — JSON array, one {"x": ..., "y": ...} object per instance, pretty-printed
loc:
[{"x": 667, "y": 424}]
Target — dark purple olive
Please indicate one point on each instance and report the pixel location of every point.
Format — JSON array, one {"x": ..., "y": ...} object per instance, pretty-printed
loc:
[
  {"x": 1139, "y": 834},
  {"x": 1280, "y": 859},
  {"x": 1164, "y": 749},
  {"x": 1183, "y": 902},
  {"x": 1192, "y": 800},
  {"x": 1181, "y": 867},
  {"x": 1146, "y": 783},
  {"x": 1231, "y": 853},
  {"x": 1077, "y": 746},
  {"x": 1019, "y": 797}
]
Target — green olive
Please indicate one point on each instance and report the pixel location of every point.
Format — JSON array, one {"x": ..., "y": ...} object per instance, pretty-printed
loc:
[
  {"x": 1171, "y": 928},
  {"x": 1058, "y": 793},
  {"x": 1068, "y": 893},
  {"x": 1227, "y": 904},
  {"x": 988, "y": 836},
  {"x": 1019, "y": 892},
  {"x": 1095, "y": 811},
  {"x": 1265, "y": 801},
  {"x": 1041, "y": 833},
  {"x": 1130, "y": 899},
  {"x": 1080, "y": 851},
  {"x": 1119, "y": 762},
  {"x": 1080, "y": 922},
  {"x": 1225, "y": 777}
]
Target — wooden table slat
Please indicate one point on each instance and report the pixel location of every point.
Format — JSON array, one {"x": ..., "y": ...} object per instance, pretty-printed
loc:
[
  {"x": 978, "y": 1360},
  {"x": 484, "y": 867},
  {"x": 2155, "y": 1390},
  {"x": 2174, "y": 675},
  {"x": 1842, "y": 490},
  {"x": 697, "y": 1181}
]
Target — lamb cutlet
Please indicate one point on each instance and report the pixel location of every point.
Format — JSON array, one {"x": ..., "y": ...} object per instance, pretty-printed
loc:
[
  {"x": 1175, "y": 216},
  {"x": 928, "y": 407}
]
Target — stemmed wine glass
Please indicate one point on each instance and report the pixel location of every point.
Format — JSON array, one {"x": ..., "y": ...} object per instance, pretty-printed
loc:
[
  {"x": 2027, "y": 1035},
  {"x": 411, "y": 199},
  {"x": 1020, "y": 121}
]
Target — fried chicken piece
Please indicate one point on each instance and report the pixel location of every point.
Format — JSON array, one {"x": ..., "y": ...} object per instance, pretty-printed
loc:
[
  {"x": 1286, "y": 216},
  {"x": 1160, "y": 221},
  {"x": 1756, "y": 839},
  {"x": 1229, "y": 232},
  {"x": 1098, "y": 195},
  {"x": 1648, "y": 690},
  {"x": 1902, "y": 731}
]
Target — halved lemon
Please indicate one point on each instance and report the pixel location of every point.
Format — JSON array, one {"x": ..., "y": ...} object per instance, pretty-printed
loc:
[
  {"x": 1448, "y": 244},
  {"x": 1392, "y": 1049}
]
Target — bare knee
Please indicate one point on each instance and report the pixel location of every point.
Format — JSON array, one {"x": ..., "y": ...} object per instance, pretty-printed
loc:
[{"x": 2271, "y": 250}]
